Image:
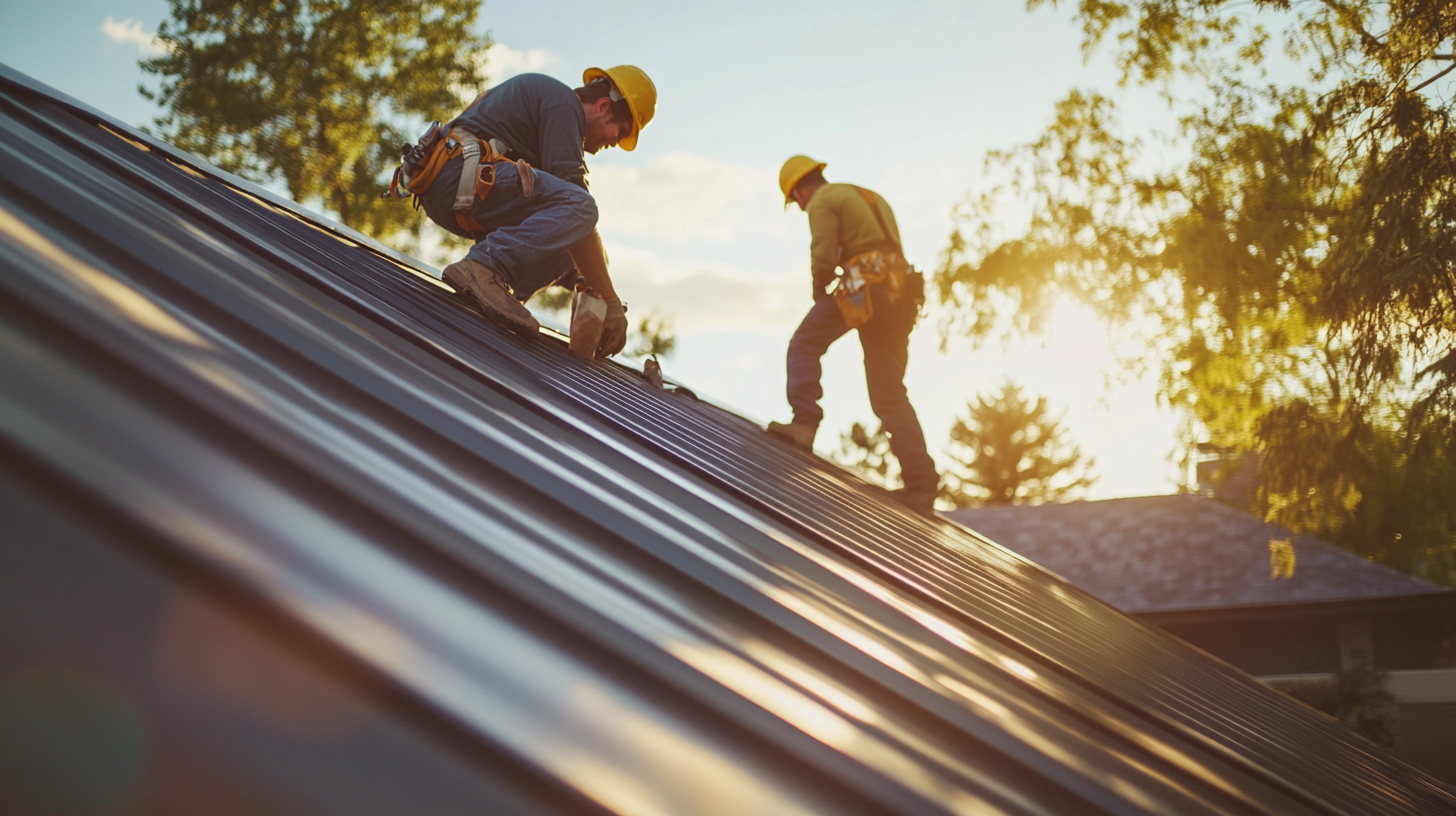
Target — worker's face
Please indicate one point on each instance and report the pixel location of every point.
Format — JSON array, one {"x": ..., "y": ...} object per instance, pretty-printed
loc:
[{"x": 601, "y": 130}]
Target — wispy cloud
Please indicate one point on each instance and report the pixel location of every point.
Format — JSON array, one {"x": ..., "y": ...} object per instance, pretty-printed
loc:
[
  {"x": 703, "y": 241},
  {"x": 130, "y": 32},
  {"x": 687, "y": 198},
  {"x": 503, "y": 62},
  {"x": 500, "y": 62},
  {"x": 706, "y": 297}
]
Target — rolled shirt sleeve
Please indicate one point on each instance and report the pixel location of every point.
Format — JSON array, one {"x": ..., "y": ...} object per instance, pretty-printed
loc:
[{"x": 562, "y": 129}]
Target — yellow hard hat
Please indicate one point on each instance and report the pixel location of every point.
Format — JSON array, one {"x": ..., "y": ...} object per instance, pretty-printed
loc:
[
  {"x": 634, "y": 86},
  {"x": 794, "y": 171}
]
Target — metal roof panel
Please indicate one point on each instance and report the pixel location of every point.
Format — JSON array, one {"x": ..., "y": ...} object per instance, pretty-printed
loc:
[{"x": 549, "y": 552}]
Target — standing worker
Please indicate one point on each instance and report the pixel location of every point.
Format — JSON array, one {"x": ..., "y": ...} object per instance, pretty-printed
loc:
[
  {"x": 510, "y": 174},
  {"x": 879, "y": 294}
]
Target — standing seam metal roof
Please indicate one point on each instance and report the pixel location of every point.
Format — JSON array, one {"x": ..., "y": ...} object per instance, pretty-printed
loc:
[{"x": 755, "y": 630}]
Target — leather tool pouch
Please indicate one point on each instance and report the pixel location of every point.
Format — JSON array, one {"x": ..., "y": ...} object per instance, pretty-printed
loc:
[
  {"x": 894, "y": 272},
  {"x": 852, "y": 296},
  {"x": 915, "y": 286}
]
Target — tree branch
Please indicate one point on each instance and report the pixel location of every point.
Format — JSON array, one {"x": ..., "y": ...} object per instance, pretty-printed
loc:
[
  {"x": 1350, "y": 20},
  {"x": 1434, "y": 78}
]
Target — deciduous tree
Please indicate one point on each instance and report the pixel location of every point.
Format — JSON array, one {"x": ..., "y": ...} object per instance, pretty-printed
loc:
[
  {"x": 1297, "y": 263},
  {"x": 315, "y": 94}
]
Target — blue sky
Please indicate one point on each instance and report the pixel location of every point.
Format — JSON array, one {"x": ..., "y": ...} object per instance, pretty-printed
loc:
[{"x": 903, "y": 98}]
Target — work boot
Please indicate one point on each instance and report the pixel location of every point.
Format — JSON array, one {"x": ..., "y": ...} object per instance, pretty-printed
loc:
[
  {"x": 796, "y": 434},
  {"x": 921, "y": 501},
  {"x": 478, "y": 284}
]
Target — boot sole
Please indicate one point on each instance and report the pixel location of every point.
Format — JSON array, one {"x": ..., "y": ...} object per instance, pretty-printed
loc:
[
  {"x": 791, "y": 441},
  {"x": 509, "y": 321}
]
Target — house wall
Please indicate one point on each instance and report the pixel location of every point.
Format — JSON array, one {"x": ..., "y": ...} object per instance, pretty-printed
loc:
[
  {"x": 1260, "y": 648},
  {"x": 1400, "y": 642},
  {"x": 1426, "y": 735}
]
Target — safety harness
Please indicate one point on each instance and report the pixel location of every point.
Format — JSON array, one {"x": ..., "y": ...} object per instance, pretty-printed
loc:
[
  {"x": 852, "y": 294},
  {"x": 422, "y": 162}
]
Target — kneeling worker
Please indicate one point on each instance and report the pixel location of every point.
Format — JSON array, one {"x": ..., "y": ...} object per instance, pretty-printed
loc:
[
  {"x": 878, "y": 294},
  {"x": 510, "y": 174}
]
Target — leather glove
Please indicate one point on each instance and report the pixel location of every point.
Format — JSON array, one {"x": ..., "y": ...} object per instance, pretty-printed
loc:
[{"x": 614, "y": 329}]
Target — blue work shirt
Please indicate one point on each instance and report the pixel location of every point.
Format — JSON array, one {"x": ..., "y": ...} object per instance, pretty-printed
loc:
[{"x": 539, "y": 118}]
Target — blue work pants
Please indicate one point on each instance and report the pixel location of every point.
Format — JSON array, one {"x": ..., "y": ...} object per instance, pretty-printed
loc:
[
  {"x": 886, "y": 343},
  {"x": 526, "y": 238}
]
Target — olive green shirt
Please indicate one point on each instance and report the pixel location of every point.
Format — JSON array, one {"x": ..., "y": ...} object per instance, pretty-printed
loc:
[{"x": 842, "y": 225}]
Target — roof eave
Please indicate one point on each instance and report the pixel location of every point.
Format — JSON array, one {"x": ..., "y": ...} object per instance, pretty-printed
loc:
[{"x": 1443, "y": 601}]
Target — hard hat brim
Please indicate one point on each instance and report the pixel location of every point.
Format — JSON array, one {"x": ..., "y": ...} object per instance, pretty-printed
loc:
[
  {"x": 628, "y": 142},
  {"x": 794, "y": 182}
]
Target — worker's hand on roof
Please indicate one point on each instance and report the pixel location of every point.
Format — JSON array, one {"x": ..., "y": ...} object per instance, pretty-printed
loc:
[{"x": 614, "y": 329}]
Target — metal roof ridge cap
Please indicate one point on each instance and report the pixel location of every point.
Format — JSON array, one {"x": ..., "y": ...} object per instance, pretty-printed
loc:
[
  {"x": 1439, "y": 592},
  {"x": 15, "y": 77}
]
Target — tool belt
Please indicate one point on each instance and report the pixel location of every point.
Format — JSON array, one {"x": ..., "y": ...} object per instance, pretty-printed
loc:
[
  {"x": 852, "y": 293},
  {"x": 422, "y": 162}
]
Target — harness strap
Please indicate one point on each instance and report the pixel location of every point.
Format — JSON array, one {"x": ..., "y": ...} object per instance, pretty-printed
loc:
[
  {"x": 484, "y": 181},
  {"x": 869, "y": 198},
  {"x": 477, "y": 174},
  {"x": 877, "y": 266},
  {"x": 528, "y": 181},
  {"x": 470, "y": 152}
]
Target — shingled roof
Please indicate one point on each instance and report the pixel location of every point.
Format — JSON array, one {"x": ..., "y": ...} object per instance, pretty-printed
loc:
[
  {"x": 558, "y": 588},
  {"x": 1158, "y": 554}
]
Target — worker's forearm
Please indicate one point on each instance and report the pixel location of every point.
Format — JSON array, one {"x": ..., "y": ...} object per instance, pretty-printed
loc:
[{"x": 591, "y": 262}]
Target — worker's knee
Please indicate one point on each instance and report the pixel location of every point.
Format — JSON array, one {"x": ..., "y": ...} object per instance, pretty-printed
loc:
[
  {"x": 581, "y": 219},
  {"x": 888, "y": 398},
  {"x": 889, "y": 409},
  {"x": 582, "y": 201},
  {"x": 815, "y": 335},
  {"x": 577, "y": 207},
  {"x": 805, "y": 347}
]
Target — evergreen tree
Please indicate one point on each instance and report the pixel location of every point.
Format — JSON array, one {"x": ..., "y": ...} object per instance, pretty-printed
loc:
[
  {"x": 1011, "y": 450},
  {"x": 316, "y": 94}
]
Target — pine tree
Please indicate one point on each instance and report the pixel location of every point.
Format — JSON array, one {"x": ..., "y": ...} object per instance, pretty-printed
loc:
[{"x": 1010, "y": 450}]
